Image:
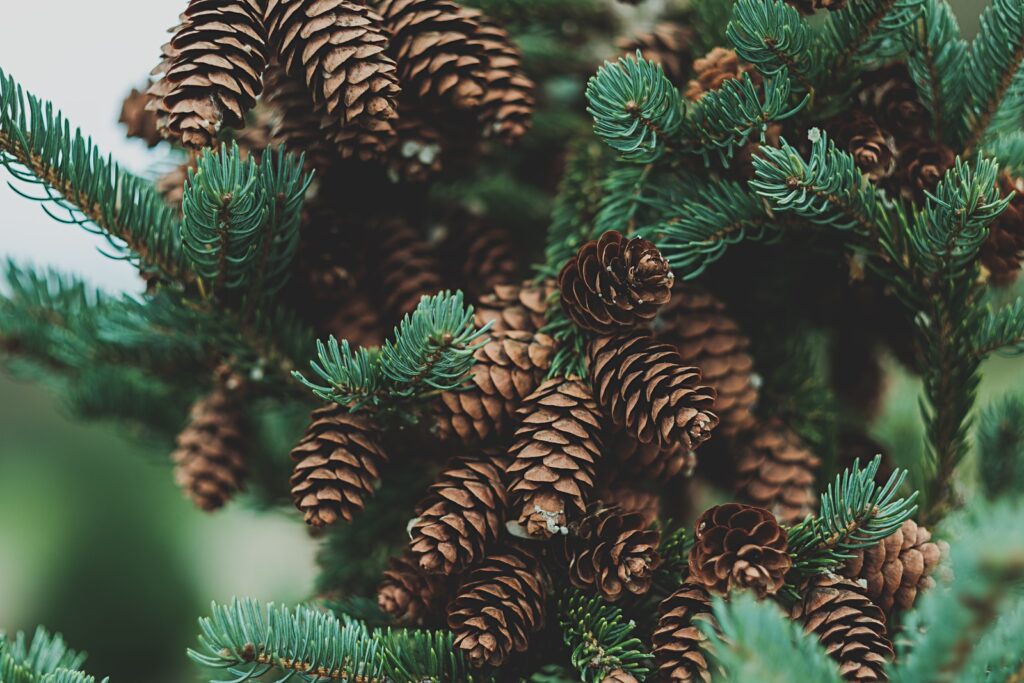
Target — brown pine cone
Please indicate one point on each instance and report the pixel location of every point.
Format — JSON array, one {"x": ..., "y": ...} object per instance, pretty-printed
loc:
[
  {"x": 506, "y": 110},
  {"x": 650, "y": 461},
  {"x": 714, "y": 69},
  {"x": 619, "y": 676},
  {"x": 739, "y": 546},
  {"x": 922, "y": 166},
  {"x": 697, "y": 324},
  {"x": 612, "y": 552},
  {"x": 336, "y": 465},
  {"x": 614, "y": 282},
  {"x": 411, "y": 596},
  {"x": 508, "y": 368},
  {"x": 480, "y": 257},
  {"x": 338, "y": 48},
  {"x": 1003, "y": 249},
  {"x": 667, "y": 44},
  {"x": 462, "y": 515},
  {"x": 140, "y": 121},
  {"x": 646, "y": 388},
  {"x": 872, "y": 148},
  {"x": 679, "y": 645},
  {"x": 776, "y": 470},
  {"x": 812, "y": 6},
  {"x": 631, "y": 499},
  {"x": 890, "y": 95},
  {"x": 209, "y": 461},
  {"x": 898, "y": 568},
  {"x": 408, "y": 268},
  {"x": 498, "y": 607},
  {"x": 213, "y": 78},
  {"x": 521, "y": 308},
  {"x": 849, "y": 626},
  {"x": 294, "y": 121},
  {"x": 554, "y": 454}
]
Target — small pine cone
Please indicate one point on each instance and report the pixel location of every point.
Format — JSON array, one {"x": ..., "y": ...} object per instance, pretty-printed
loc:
[
  {"x": 1003, "y": 249},
  {"x": 336, "y": 465},
  {"x": 507, "y": 106},
  {"x": 872, "y": 148},
  {"x": 697, "y": 324},
  {"x": 408, "y": 267},
  {"x": 922, "y": 166},
  {"x": 891, "y": 95},
  {"x": 649, "y": 461},
  {"x": 714, "y": 69},
  {"x": 775, "y": 470},
  {"x": 554, "y": 456},
  {"x": 612, "y": 552},
  {"x": 140, "y": 121},
  {"x": 679, "y": 644},
  {"x": 462, "y": 515},
  {"x": 295, "y": 124},
  {"x": 849, "y": 626},
  {"x": 338, "y": 48},
  {"x": 646, "y": 388},
  {"x": 812, "y": 6},
  {"x": 898, "y": 567},
  {"x": 520, "y": 308},
  {"x": 214, "y": 76},
  {"x": 481, "y": 256},
  {"x": 409, "y": 595},
  {"x": 630, "y": 499},
  {"x": 739, "y": 546},
  {"x": 209, "y": 462},
  {"x": 498, "y": 607},
  {"x": 508, "y": 368},
  {"x": 667, "y": 44},
  {"x": 614, "y": 282}
]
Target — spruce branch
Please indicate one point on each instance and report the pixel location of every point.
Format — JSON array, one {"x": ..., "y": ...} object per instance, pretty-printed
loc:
[
  {"x": 43, "y": 658},
  {"x": 774, "y": 38},
  {"x": 599, "y": 638},
  {"x": 571, "y": 357},
  {"x": 579, "y": 197},
  {"x": 870, "y": 29},
  {"x": 1008, "y": 150},
  {"x": 711, "y": 21},
  {"x": 1001, "y": 331},
  {"x": 937, "y": 64},
  {"x": 1001, "y": 446},
  {"x": 995, "y": 103}
]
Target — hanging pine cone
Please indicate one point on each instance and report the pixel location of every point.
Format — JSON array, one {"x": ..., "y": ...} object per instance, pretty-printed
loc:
[
  {"x": 554, "y": 454},
  {"x": 462, "y": 515},
  {"x": 209, "y": 462},
  {"x": 408, "y": 268},
  {"x": 922, "y": 166},
  {"x": 696, "y": 323},
  {"x": 515, "y": 307},
  {"x": 667, "y": 44},
  {"x": 612, "y": 552},
  {"x": 508, "y": 368},
  {"x": 739, "y": 546},
  {"x": 481, "y": 256},
  {"x": 140, "y": 121},
  {"x": 409, "y": 595},
  {"x": 714, "y": 69},
  {"x": 849, "y": 626},
  {"x": 645, "y": 388},
  {"x": 679, "y": 644},
  {"x": 812, "y": 6},
  {"x": 872, "y": 148},
  {"x": 775, "y": 470},
  {"x": 336, "y": 465},
  {"x": 506, "y": 109},
  {"x": 295, "y": 124},
  {"x": 614, "y": 282},
  {"x": 1003, "y": 249},
  {"x": 218, "y": 56},
  {"x": 891, "y": 96},
  {"x": 498, "y": 607},
  {"x": 898, "y": 568}
]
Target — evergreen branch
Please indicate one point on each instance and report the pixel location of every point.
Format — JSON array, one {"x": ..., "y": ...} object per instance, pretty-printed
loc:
[
  {"x": 1001, "y": 331},
  {"x": 854, "y": 513},
  {"x": 635, "y": 194},
  {"x": 774, "y": 38},
  {"x": 1007, "y": 150},
  {"x": 424, "y": 657},
  {"x": 937, "y": 64},
  {"x": 636, "y": 109},
  {"x": 553, "y": 673},
  {"x": 284, "y": 189},
  {"x": 865, "y": 29},
  {"x": 43, "y": 659},
  {"x": 1001, "y": 447},
  {"x": 571, "y": 342},
  {"x": 38, "y": 148},
  {"x": 599, "y": 638},
  {"x": 998, "y": 656},
  {"x": 995, "y": 103},
  {"x": 711, "y": 21}
]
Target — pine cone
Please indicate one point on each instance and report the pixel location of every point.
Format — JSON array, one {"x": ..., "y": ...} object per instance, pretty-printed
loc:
[
  {"x": 213, "y": 78},
  {"x": 497, "y": 608},
  {"x": 614, "y": 282},
  {"x": 696, "y": 323},
  {"x": 554, "y": 454},
  {"x": 338, "y": 48},
  {"x": 897, "y": 568},
  {"x": 521, "y": 308},
  {"x": 812, "y": 6},
  {"x": 507, "y": 106},
  {"x": 294, "y": 122},
  {"x": 645, "y": 387},
  {"x": 508, "y": 368},
  {"x": 922, "y": 166},
  {"x": 631, "y": 499},
  {"x": 612, "y": 552},
  {"x": 462, "y": 515},
  {"x": 667, "y": 44},
  {"x": 891, "y": 96},
  {"x": 481, "y": 257},
  {"x": 873, "y": 150},
  {"x": 619, "y": 676},
  {"x": 679, "y": 645},
  {"x": 651, "y": 461},
  {"x": 775, "y": 470},
  {"x": 140, "y": 121},
  {"x": 739, "y": 546},
  {"x": 1003, "y": 249},
  {"x": 849, "y": 625},
  {"x": 336, "y": 465},
  {"x": 714, "y": 69},
  {"x": 408, "y": 268},
  {"x": 409, "y": 595},
  {"x": 209, "y": 462}
]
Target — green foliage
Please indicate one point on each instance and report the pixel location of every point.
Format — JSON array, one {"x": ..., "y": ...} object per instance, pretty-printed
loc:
[
  {"x": 870, "y": 30},
  {"x": 710, "y": 21},
  {"x": 579, "y": 197},
  {"x": 936, "y": 61},
  {"x": 570, "y": 357},
  {"x": 599, "y": 638},
  {"x": 1001, "y": 331},
  {"x": 1008, "y": 150},
  {"x": 45, "y": 658},
  {"x": 1001, "y": 446},
  {"x": 774, "y": 38},
  {"x": 995, "y": 103}
]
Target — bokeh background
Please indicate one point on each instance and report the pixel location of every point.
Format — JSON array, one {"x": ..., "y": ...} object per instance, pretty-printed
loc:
[{"x": 95, "y": 540}]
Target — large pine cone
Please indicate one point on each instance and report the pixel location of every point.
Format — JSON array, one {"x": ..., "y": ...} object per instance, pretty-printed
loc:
[
  {"x": 515, "y": 307},
  {"x": 409, "y": 595},
  {"x": 337, "y": 465},
  {"x": 1003, "y": 249},
  {"x": 897, "y": 568},
  {"x": 479, "y": 257},
  {"x": 714, "y": 69},
  {"x": 408, "y": 268},
  {"x": 217, "y": 57},
  {"x": 776, "y": 470},
  {"x": 461, "y": 516},
  {"x": 922, "y": 166},
  {"x": 554, "y": 456},
  {"x": 679, "y": 645},
  {"x": 140, "y": 121},
  {"x": 508, "y": 368},
  {"x": 646, "y": 388},
  {"x": 615, "y": 282},
  {"x": 612, "y": 552},
  {"x": 697, "y": 324},
  {"x": 498, "y": 607},
  {"x": 209, "y": 462},
  {"x": 667, "y": 44},
  {"x": 739, "y": 546},
  {"x": 849, "y": 625},
  {"x": 507, "y": 106}
]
